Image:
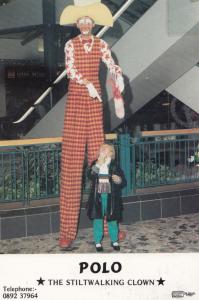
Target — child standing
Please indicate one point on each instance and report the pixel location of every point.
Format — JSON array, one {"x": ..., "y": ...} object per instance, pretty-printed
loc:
[{"x": 105, "y": 200}]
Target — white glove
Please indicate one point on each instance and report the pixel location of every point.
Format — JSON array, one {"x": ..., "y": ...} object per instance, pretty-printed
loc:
[
  {"x": 93, "y": 93},
  {"x": 120, "y": 83}
]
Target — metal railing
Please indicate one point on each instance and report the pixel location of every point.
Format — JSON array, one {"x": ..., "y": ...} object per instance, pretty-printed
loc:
[
  {"x": 165, "y": 158},
  {"x": 166, "y": 162},
  {"x": 29, "y": 173},
  {"x": 30, "y": 170}
]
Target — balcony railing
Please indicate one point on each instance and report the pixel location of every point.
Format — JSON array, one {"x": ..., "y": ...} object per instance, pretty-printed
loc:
[{"x": 30, "y": 169}]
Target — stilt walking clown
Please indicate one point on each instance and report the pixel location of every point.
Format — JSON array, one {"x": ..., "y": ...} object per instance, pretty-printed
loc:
[{"x": 83, "y": 120}]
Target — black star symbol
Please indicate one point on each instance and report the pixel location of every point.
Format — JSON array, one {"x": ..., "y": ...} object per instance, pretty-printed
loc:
[
  {"x": 40, "y": 281},
  {"x": 161, "y": 281}
]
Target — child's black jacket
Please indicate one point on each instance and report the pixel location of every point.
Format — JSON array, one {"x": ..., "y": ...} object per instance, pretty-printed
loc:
[{"x": 114, "y": 205}]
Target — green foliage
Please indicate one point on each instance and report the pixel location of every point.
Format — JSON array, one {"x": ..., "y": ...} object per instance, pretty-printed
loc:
[
  {"x": 32, "y": 173},
  {"x": 149, "y": 173}
]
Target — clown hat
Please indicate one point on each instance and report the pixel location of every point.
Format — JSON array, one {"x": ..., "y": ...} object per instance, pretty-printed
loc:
[{"x": 94, "y": 9}]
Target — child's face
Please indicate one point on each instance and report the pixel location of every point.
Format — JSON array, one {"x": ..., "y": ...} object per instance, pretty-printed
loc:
[{"x": 106, "y": 151}]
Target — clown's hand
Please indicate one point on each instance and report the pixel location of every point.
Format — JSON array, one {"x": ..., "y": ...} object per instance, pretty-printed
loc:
[
  {"x": 120, "y": 83},
  {"x": 93, "y": 93}
]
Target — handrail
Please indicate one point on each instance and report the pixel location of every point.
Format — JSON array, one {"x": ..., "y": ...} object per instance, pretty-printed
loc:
[
  {"x": 116, "y": 16},
  {"x": 63, "y": 74},
  {"x": 169, "y": 132},
  {"x": 39, "y": 141}
]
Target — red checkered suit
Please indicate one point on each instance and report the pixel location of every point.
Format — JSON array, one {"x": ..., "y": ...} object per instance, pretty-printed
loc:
[{"x": 83, "y": 125}]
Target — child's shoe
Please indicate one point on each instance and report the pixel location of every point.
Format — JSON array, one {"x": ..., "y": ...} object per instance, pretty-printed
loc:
[
  {"x": 115, "y": 246},
  {"x": 99, "y": 247}
]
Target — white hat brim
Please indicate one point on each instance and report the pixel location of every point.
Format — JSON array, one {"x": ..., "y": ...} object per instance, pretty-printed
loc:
[{"x": 98, "y": 12}]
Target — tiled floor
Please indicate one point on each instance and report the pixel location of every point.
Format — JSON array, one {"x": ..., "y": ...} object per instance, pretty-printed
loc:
[{"x": 175, "y": 234}]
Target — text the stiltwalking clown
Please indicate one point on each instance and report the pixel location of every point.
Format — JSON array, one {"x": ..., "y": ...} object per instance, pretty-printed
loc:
[{"x": 83, "y": 120}]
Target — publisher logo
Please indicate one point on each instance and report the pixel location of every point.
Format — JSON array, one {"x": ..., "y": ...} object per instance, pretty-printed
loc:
[{"x": 181, "y": 294}]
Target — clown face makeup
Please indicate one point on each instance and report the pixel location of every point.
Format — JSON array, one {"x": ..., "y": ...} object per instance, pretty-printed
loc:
[
  {"x": 85, "y": 25},
  {"x": 85, "y": 21}
]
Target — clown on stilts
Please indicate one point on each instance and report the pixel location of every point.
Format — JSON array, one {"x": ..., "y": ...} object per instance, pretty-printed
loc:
[{"x": 83, "y": 120}]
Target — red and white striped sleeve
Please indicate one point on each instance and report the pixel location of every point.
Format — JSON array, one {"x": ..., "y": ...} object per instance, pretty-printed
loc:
[
  {"x": 71, "y": 70},
  {"x": 114, "y": 69}
]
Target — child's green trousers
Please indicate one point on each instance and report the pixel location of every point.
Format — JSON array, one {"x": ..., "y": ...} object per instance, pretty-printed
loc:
[{"x": 98, "y": 224}]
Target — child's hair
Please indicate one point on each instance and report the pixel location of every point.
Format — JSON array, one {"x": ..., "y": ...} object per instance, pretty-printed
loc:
[{"x": 111, "y": 149}]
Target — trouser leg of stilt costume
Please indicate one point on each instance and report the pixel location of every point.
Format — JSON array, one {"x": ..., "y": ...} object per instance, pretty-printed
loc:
[
  {"x": 84, "y": 124},
  {"x": 105, "y": 227},
  {"x": 71, "y": 176},
  {"x": 95, "y": 130}
]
